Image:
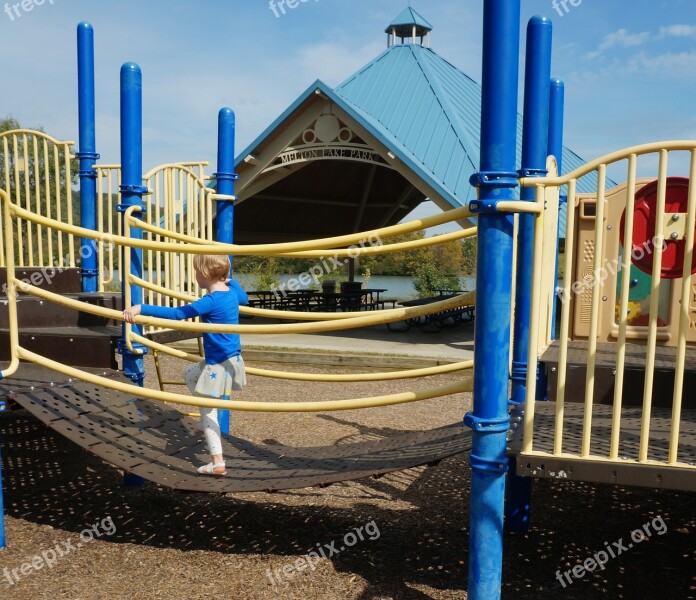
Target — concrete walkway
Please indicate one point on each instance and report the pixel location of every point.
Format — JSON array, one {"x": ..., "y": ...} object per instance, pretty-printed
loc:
[{"x": 448, "y": 345}]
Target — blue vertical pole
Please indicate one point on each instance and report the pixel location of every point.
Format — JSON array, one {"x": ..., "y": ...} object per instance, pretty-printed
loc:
[
  {"x": 225, "y": 178},
  {"x": 87, "y": 154},
  {"x": 556, "y": 104},
  {"x": 132, "y": 191},
  {"x": 534, "y": 146},
  {"x": 3, "y": 542},
  {"x": 496, "y": 181}
]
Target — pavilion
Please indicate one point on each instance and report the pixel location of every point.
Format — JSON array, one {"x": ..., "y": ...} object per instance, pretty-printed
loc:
[{"x": 401, "y": 130}]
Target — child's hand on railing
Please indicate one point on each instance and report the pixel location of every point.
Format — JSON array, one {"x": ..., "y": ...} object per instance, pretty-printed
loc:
[{"x": 130, "y": 313}]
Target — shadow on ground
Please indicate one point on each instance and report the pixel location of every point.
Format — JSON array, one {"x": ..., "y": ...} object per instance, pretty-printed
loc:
[{"x": 49, "y": 481}]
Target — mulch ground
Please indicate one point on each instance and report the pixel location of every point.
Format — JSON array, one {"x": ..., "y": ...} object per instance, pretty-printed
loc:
[{"x": 404, "y": 536}]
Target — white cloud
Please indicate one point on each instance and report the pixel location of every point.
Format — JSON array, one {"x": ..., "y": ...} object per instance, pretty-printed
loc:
[
  {"x": 678, "y": 31},
  {"x": 622, "y": 38},
  {"x": 670, "y": 64}
]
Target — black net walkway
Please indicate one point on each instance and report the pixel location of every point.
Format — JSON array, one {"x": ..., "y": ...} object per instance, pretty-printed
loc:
[{"x": 157, "y": 442}]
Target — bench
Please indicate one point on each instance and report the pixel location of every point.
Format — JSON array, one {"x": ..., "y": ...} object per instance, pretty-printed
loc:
[{"x": 434, "y": 323}]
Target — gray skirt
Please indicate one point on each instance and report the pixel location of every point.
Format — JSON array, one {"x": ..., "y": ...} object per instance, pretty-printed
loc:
[{"x": 216, "y": 381}]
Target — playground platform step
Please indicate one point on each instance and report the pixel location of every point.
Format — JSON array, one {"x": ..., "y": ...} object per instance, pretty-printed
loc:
[
  {"x": 156, "y": 442},
  {"x": 654, "y": 473},
  {"x": 55, "y": 279},
  {"x": 90, "y": 346},
  {"x": 634, "y": 378},
  {"x": 36, "y": 312}
]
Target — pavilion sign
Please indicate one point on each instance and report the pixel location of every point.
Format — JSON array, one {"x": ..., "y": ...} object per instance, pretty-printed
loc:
[{"x": 331, "y": 152}]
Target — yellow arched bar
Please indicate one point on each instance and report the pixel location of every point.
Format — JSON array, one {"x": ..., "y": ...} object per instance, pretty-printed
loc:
[
  {"x": 321, "y": 406},
  {"x": 298, "y": 376}
]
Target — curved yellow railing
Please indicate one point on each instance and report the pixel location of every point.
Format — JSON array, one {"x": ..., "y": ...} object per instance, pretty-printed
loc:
[
  {"x": 251, "y": 311},
  {"x": 383, "y": 316},
  {"x": 341, "y": 252},
  {"x": 319, "y": 406},
  {"x": 11, "y": 290},
  {"x": 607, "y": 159},
  {"x": 236, "y": 249},
  {"x": 300, "y": 376}
]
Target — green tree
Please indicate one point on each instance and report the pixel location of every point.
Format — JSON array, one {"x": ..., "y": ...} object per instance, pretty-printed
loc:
[{"x": 468, "y": 260}]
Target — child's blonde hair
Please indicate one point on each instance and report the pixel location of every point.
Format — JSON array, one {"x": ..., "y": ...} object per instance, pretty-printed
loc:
[{"x": 212, "y": 266}]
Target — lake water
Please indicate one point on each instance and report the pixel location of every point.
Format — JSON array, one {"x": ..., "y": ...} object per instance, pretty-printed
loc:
[{"x": 398, "y": 287}]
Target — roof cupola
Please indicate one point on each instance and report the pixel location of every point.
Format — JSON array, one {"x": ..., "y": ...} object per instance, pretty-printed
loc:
[{"x": 410, "y": 28}]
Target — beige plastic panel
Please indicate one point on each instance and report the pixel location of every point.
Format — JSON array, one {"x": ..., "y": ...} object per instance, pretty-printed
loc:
[
  {"x": 608, "y": 330},
  {"x": 548, "y": 260}
]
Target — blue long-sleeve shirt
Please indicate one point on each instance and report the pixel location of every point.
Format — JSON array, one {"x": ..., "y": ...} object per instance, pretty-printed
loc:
[{"x": 215, "y": 307}]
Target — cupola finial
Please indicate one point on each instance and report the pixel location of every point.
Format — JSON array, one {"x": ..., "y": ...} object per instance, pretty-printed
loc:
[{"x": 410, "y": 28}]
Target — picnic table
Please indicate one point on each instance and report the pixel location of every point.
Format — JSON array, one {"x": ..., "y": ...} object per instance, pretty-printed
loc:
[
  {"x": 362, "y": 299},
  {"x": 434, "y": 323},
  {"x": 315, "y": 300}
]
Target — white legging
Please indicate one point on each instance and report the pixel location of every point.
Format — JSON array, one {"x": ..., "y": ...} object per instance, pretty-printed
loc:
[
  {"x": 211, "y": 430},
  {"x": 209, "y": 423}
]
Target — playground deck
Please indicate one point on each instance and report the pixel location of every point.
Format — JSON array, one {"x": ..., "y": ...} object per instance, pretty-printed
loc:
[{"x": 595, "y": 467}]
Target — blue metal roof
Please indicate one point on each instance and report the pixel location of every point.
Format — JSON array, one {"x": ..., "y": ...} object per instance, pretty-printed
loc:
[
  {"x": 427, "y": 112},
  {"x": 409, "y": 17}
]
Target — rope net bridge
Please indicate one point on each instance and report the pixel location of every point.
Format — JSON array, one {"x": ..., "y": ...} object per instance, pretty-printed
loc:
[{"x": 131, "y": 427}]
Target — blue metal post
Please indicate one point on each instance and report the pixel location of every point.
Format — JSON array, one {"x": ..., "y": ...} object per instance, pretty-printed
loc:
[
  {"x": 225, "y": 178},
  {"x": 3, "y": 543},
  {"x": 534, "y": 147},
  {"x": 87, "y": 154},
  {"x": 496, "y": 181},
  {"x": 556, "y": 149},
  {"x": 132, "y": 191}
]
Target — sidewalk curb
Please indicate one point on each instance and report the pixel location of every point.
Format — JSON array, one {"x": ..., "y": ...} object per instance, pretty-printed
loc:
[{"x": 316, "y": 356}]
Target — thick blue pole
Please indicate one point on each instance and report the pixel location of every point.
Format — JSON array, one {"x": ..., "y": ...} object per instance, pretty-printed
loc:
[
  {"x": 225, "y": 178},
  {"x": 556, "y": 105},
  {"x": 132, "y": 191},
  {"x": 496, "y": 181},
  {"x": 534, "y": 146},
  {"x": 3, "y": 541},
  {"x": 87, "y": 154}
]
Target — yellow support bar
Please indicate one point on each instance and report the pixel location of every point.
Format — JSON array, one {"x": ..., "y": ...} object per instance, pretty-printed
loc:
[
  {"x": 533, "y": 342},
  {"x": 684, "y": 308},
  {"x": 298, "y": 376},
  {"x": 607, "y": 159},
  {"x": 320, "y": 406},
  {"x": 384, "y": 316},
  {"x": 657, "y": 240},
  {"x": 337, "y": 252},
  {"x": 244, "y": 250},
  {"x": 623, "y": 309}
]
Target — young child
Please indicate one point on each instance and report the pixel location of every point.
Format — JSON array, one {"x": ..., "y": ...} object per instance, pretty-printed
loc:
[{"x": 223, "y": 368}]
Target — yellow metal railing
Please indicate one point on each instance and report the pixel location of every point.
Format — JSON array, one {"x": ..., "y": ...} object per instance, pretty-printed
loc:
[
  {"x": 36, "y": 173},
  {"x": 617, "y": 452},
  {"x": 108, "y": 223},
  {"x": 344, "y": 321}
]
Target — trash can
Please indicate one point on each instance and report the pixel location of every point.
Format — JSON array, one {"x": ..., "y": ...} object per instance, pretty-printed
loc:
[
  {"x": 328, "y": 294},
  {"x": 351, "y": 295}
]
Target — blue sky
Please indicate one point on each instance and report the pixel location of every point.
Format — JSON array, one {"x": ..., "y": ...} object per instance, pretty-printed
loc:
[{"x": 629, "y": 67}]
